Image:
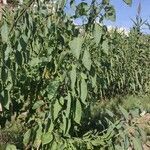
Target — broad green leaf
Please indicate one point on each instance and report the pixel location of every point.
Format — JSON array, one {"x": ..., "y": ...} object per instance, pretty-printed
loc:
[
  {"x": 34, "y": 61},
  {"x": 4, "y": 32},
  {"x": 38, "y": 104},
  {"x": 37, "y": 140},
  {"x": 124, "y": 112},
  {"x": 97, "y": 33},
  {"x": 83, "y": 75},
  {"x": 78, "y": 112},
  {"x": 137, "y": 143},
  {"x": 6, "y": 100},
  {"x": 7, "y": 52},
  {"x": 26, "y": 137},
  {"x": 83, "y": 90},
  {"x": 10, "y": 147},
  {"x": 52, "y": 88},
  {"x": 68, "y": 110},
  {"x": 75, "y": 46},
  {"x": 73, "y": 77},
  {"x": 66, "y": 124},
  {"x": 54, "y": 145},
  {"x": 47, "y": 138},
  {"x": 94, "y": 81},
  {"x": 56, "y": 109},
  {"x": 87, "y": 59},
  {"x": 128, "y": 2},
  {"x": 105, "y": 47}
]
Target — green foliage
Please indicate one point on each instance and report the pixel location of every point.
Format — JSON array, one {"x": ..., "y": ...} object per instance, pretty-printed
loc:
[{"x": 52, "y": 73}]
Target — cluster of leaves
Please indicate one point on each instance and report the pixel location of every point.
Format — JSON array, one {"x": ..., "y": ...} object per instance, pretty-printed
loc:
[{"x": 51, "y": 72}]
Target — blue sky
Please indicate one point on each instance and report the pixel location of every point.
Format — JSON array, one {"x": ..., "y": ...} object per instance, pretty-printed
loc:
[{"x": 124, "y": 13}]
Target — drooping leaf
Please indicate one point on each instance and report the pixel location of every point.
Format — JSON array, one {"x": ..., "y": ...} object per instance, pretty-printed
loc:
[
  {"x": 87, "y": 59},
  {"x": 68, "y": 110},
  {"x": 37, "y": 140},
  {"x": 83, "y": 90},
  {"x": 19, "y": 58},
  {"x": 26, "y": 137},
  {"x": 75, "y": 46},
  {"x": 105, "y": 47},
  {"x": 56, "y": 109},
  {"x": 4, "y": 33},
  {"x": 73, "y": 77},
  {"x": 78, "y": 112},
  {"x": 97, "y": 33}
]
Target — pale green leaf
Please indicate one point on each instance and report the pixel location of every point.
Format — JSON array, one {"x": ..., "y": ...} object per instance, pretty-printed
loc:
[
  {"x": 87, "y": 59},
  {"x": 26, "y": 137},
  {"x": 68, "y": 110},
  {"x": 38, "y": 104},
  {"x": 10, "y": 147},
  {"x": 97, "y": 33},
  {"x": 47, "y": 138},
  {"x": 78, "y": 112},
  {"x": 73, "y": 77},
  {"x": 37, "y": 141},
  {"x": 83, "y": 91},
  {"x": 137, "y": 143},
  {"x": 4, "y": 32},
  {"x": 56, "y": 109},
  {"x": 75, "y": 46},
  {"x": 105, "y": 47}
]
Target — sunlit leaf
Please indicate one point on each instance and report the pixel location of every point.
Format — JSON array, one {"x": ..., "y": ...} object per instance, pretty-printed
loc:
[
  {"x": 76, "y": 45},
  {"x": 4, "y": 32},
  {"x": 137, "y": 143},
  {"x": 26, "y": 137},
  {"x": 56, "y": 109},
  {"x": 38, "y": 104},
  {"x": 87, "y": 59},
  {"x": 47, "y": 138},
  {"x": 105, "y": 47},
  {"x": 68, "y": 110},
  {"x": 73, "y": 77},
  {"x": 78, "y": 112},
  {"x": 11, "y": 147},
  {"x": 83, "y": 89},
  {"x": 97, "y": 33}
]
